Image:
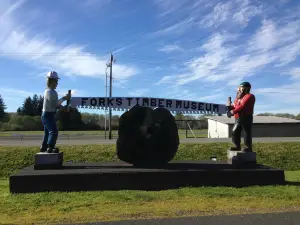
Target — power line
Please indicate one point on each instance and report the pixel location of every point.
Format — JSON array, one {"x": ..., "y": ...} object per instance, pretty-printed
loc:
[{"x": 128, "y": 87}]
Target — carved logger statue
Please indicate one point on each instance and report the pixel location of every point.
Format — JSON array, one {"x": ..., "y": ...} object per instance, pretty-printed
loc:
[{"x": 147, "y": 137}]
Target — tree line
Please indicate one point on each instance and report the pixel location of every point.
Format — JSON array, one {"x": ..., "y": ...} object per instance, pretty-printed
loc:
[{"x": 28, "y": 118}]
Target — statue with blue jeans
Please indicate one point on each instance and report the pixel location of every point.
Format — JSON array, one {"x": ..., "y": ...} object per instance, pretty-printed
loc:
[{"x": 50, "y": 105}]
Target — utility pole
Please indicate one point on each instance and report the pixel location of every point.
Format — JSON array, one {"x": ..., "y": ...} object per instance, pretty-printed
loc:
[
  {"x": 110, "y": 93},
  {"x": 105, "y": 97}
]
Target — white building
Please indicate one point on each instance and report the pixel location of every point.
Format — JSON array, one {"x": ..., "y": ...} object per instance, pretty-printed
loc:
[{"x": 263, "y": 126}]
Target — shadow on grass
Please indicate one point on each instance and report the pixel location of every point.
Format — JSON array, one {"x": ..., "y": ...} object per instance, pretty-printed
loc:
[{"x": 292, "y": 183}]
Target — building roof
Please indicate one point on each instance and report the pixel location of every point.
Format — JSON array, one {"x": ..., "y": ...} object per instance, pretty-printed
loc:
[{"x": 256, "y": 119}]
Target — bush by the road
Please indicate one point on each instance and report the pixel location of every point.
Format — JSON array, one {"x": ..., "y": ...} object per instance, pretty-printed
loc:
[{"x": 280, "y": 155}]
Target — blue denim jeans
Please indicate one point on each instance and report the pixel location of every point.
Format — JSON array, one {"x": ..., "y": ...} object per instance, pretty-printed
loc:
[{"x": 50, "y": 129}]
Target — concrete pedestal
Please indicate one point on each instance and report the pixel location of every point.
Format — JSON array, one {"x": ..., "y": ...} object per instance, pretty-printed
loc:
[
  {"x": 48, "y": 160},
  {"x": 240, "y": 158}
]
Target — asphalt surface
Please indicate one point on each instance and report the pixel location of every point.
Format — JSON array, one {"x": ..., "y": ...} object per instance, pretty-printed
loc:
[
  {"x": 287, "y": 218},
  {"x": 94, "y": 139}
]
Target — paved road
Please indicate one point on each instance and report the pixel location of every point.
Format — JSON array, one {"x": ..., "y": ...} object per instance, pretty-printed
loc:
[
  {"x": 290, "y": 218},
  {"x": 86, "y": 140}
]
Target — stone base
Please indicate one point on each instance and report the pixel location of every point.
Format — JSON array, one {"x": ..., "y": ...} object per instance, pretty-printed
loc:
[
  {"x": 240, "y": 158},
  {"x": 48, "y": 160}
]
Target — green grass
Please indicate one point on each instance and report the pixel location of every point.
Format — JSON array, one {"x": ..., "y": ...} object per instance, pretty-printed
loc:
[{"x": 83, "y": 207}]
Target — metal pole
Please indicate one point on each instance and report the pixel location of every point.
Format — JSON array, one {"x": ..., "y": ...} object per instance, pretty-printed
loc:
[
  {"x": 191, "y": 129},
  {"x": 110, "y": 93},
  {"x": 105, "y": 108},
  {"x": 186, "y": 129}
]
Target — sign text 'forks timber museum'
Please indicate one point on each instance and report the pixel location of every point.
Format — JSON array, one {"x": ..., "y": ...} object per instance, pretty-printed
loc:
[{"x": 125, "y": 103}]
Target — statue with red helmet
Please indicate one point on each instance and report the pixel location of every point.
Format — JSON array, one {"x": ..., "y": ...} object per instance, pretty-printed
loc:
[{"x": 242, "y": 109}]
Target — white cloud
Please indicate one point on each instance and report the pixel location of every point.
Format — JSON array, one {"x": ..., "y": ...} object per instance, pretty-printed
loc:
[
  {"x": 165, "y": 80},
  {"x": 265, "y": 38},
  {"x": 44, "y": 53},
  {"x": 204, "y": 13},
  {"x": 238, "y": 11},
  {"x": 14, "y": 97},
  {"x": 219, "y": 14},
  {"x": 121, "y": 49},
  {"x": 16, "y": 93},
  {"x": 272, "y": 35},
  {"x": 176, "y": 28},
  {"x": 295, "y": 73},
  {"x": 204, "y": 67},
  {"x": 170, "y": 48},
  {"x": 226, "y": 60},
  {"x": 180, "y": 93},
  {"x": 6, "y": 9},
  {"x": 287, "y": 97},
  {"x": 246, "y": 65},
  {"x": 288, "y": 53},
  {"x": 245, "y": 12},
  {"x": 169, "y": 6}
]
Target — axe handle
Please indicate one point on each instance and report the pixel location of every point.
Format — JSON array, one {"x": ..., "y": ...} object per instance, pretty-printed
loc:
[
  {"x": 228, "y": 107},
  {"x": 68, "y": 101}
]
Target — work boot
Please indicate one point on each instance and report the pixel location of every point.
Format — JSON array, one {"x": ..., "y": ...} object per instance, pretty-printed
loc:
[
  {"x": 43, "y": 149},
  {"x": 55, "y": 150},
  {"x": 247, "y": 149},
  {"x": 236, "y": 148},
  {"x": 49, "y": 150}
]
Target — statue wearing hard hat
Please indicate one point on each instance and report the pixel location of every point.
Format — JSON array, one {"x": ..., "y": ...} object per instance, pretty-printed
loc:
[
  {"x": 50, "y": 105},
  {"x": 242, "y": 109}
]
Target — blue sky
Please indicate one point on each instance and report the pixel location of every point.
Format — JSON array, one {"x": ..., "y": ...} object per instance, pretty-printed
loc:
[{"x": 184, "y": 49}]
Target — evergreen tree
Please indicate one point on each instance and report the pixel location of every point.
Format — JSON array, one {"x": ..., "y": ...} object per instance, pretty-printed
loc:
[
  {"x": 31, "y": 106},
  {"x": 28, "y": 107},
  {"x": 35, "y": 103},
  {"x": 19, "y": 111},
  {"x": 2, "y": 109},
  {"x": 40, "y": 105}
]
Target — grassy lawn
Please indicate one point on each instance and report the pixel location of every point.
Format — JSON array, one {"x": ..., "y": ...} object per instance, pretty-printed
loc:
[{"x": 83, "y": 207}]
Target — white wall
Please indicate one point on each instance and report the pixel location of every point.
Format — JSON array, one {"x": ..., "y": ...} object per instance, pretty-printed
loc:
[{"x": 217, "y": 129}]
